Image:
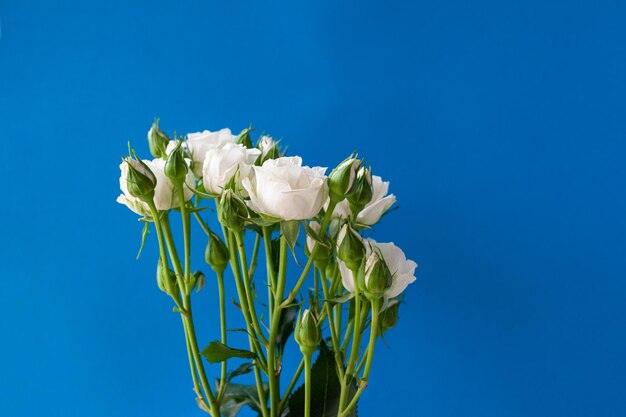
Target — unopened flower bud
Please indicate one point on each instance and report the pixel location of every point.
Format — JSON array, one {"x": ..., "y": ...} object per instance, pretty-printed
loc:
[
  {"x": 341, "y": 178},
  {"x": 157, "y": 140},
  {"x": 307, "y": 332},
  {"x": 389, "y": 316},
  {"x": 232, "y": 210},
  {"x": 216, "y": 254},
  {"x": 176, "y": 167},
  {"x": 140, "y": 180},
  {"x": 377, "y": 276},
  {"x": 244, "y": 138},
  {"x": 332, "y": 268},
  {"x": 350, "y": 247},
  {"x": 323, "y": 252},
  {"x": 166, "y": 280},
  {"x": 361, "y": 192},
  {"x": 269, "y": 149}
]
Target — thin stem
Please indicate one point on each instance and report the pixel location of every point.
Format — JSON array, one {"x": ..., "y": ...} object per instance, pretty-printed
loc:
[
  {"x": 255, "y": 255},
  {"x": 254, "y": 346},
  {"x": 370, "y": 357},
  {"x": 269, "y": 263},
  {"x": 307, "y": 384},
  {"x": 292, "y": 384},
  {"x": 273, "y": 373},
  {"x": 309, "y": 263},
  {"x": 331, "y": 324},
  {"x": 186, "y": 236},
  {"x": 246, "y": 285},
  {"x": 222, "y": 302},
  {"x": 176, "y": 298}
]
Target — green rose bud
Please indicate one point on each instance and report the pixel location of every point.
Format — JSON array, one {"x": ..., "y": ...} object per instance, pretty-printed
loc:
[
  {"x": 166, "y": 280},
  {"x": 341, "y": 179},
  {"x": 244, "y": 138},
  {"x": 361, "y": 192},
  {"x": 157, "y": 140},
  {"x": 307, "y": 332},
  {"x": 232, "y": 211},
  {"x": 350, "y": 247},
  {"x": 140, "y": 180},
  {"x": 323, "y": 252},
  {"x": 377, "y": 276},
  {"x": 176, "y": 167},
  {"x": 216, "y": 254},
  {"x": 389, "y": 317}
]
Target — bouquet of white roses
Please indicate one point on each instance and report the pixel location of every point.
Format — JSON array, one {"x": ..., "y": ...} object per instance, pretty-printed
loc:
[{"x": 352, "y": 283}]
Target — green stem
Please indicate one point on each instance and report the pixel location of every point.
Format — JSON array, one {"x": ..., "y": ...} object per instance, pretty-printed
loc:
[
  {"x": 255, "y": 255},
  {"x": 187, "y": 317},
  {"x": 246, "y": 285},
  {"x": 307, "y": 384},
  {"x": 186, "y": 236},
  {"x": 331, "y": 324},
  {"x": 254, "y": 344},
  {"x": 309, "y": 263},
  {"x": 176, "y": 298},
  {"x": 292, "y": 384},
  {"x": 271, "y": 274},
  {"x": 222, "y": 302},
  {"x": 370, "y": 357},
  {"x": 273, "y": 374}
]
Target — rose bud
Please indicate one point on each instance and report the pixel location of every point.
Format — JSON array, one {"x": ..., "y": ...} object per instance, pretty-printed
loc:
[
  {"x": 176, "y": 167},
  {"x": 166, "y": 280},
  {"x": 157, "y": 140},
  {"x": 341, "y": 178},
  {"x": 361, "y": 193},
  {"x": 216, "y": 254},
  {"x": 307, "y": 332},
  {"x": 140, "y": 180},
  {"x": 350, "y": 247},
  {"x": 232, "y": 211}
]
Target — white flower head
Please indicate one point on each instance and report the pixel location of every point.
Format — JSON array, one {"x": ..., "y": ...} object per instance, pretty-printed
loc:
[
  {"x": 402, "y": 270},
  {"x": 222, "y": 161},
  {"x": 374, "y": 210},
  {"x": 283, "y": 189},
  {"x": 200, "y": 142},
  {"x": 164, "y": 196}
]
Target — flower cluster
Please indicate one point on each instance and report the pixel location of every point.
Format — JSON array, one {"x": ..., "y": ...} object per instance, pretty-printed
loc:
[{"x": 258, "y": 189}]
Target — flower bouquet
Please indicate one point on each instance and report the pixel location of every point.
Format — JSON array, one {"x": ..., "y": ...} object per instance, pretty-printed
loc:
[{"x": 341, "y": 300}]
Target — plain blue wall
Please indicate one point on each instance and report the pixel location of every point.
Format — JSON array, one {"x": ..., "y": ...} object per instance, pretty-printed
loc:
[{"x": 501, "y": 126}]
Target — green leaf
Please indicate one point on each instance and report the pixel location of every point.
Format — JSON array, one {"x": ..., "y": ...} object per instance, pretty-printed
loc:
[
  {"x": 315, "y": 236},
  {"x": 244, "y": 368},
  {"x": 237, "y": 396},
  {"x": 290, "y": 230},
  {"x": 325, "y": 389},
  {"x": 219, "y": 352},
  {"x": 285, "y": 326},
  {"x": 144, "y": 235},
  {"x": 340, "y": 300}
]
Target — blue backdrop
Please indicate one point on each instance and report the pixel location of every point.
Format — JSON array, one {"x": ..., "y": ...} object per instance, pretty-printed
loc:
[{"x": 501, "y": 126}]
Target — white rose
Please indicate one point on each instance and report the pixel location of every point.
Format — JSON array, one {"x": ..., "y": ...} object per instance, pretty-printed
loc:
[
  {"x": 222, "y": 161},
  {"x": 283, "y": 189},
  {"x": 164, "y": 196},
  {"x": 373, "y": 211},
  {"x": 402, "y": 269},
  {"x": 199, "y": 143}
]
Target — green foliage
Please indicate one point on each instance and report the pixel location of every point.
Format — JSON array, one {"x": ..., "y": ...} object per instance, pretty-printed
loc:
[
  {"x": 325, "y": 389},
  {"x": 237, "y": 396},
  {"x": 219, "y": 352}
]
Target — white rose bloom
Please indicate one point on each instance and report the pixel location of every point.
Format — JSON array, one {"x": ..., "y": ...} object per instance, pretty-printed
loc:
[
  {"x": 164, "y": 196},
  {"x": 283, "y": 189},
  {"x": 222, "y": 161},
  {"x": 200, "y": 142},
  {"x": 373, "y": 211},
  {"x": 402, "y": 269}
]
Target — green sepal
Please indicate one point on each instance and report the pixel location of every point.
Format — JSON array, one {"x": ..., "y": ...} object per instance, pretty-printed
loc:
[
  {"x": 144, "y": 235},
  {"x": 218, "y": 352},
  {"x": 315, "y": 236},
  {"x": 244, "y": 368},
  {"x": 342, "y": 299}
]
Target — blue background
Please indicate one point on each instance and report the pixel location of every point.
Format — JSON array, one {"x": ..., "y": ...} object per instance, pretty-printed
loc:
[{"x": 501, "y": 126}]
